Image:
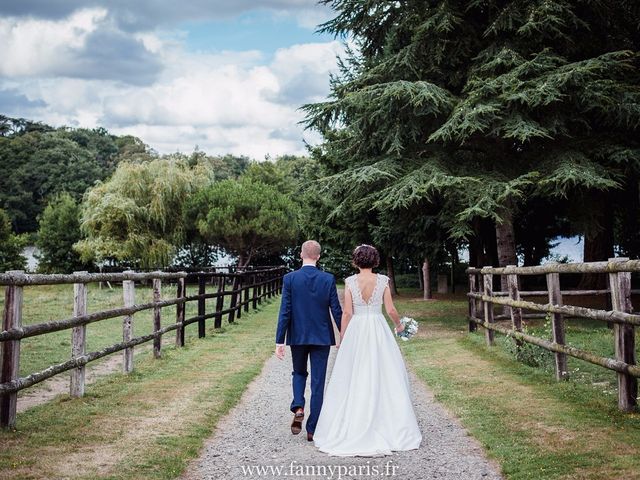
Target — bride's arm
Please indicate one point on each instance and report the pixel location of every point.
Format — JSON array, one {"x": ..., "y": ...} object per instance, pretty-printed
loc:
[
  {"x": 347, "y": 311},
  {"x": 391, "y": 309}
]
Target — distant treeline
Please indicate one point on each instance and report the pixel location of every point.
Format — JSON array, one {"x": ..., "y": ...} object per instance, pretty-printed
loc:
[
  {"x": 87, "y": 197},
  {"x": 39, "y": 161}
]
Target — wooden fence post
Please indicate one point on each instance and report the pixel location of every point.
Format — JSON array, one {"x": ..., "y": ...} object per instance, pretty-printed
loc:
[
  {"x": 180, "y": 311},
  {"x": 247, "y": 288},
  {"x": 234, "y": 299},
  {"x": 239, "y": 297},
  {"x": 624, "y": 337},
  {"x": 488, "y": 306},
  {"x": 219, "y": 303},
  {"x": 557, "y": 324},
  {"x": 12, "y": 318},
  {"x": 202, "y": 289},
  {"x": 472, "y": 302},
  {"x": 516, "y": 313},
  {"x": 129, "y": 293},
  {"x": 255, "y": 292},
  {"x": 78, "y": 338},
  {"x": 157, "y": 320}
]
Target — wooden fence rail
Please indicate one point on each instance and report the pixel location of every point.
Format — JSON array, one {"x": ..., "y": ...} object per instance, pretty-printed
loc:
[
  {"x": 248, "y": 288},
  {"x": 621, "y": 316}
]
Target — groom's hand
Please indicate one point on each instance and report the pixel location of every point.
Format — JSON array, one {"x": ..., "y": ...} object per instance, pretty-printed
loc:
[{"x": 280, "y": 351}]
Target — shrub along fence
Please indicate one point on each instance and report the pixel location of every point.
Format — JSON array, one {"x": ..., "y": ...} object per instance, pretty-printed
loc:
[
  {"x": 482, "y": 299},
  {"x": 246, "y": 289}
]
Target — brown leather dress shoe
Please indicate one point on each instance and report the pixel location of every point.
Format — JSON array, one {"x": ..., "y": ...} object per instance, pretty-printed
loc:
[
  {"x": 309, "y": 437},
  {"x": 296, "y": 424}
]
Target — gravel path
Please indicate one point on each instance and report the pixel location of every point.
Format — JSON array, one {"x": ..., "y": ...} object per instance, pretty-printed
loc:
[{"x": 256, "y": 433}]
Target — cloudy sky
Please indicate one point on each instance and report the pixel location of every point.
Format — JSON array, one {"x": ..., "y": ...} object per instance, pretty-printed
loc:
[{"x": 224, "y": 75}]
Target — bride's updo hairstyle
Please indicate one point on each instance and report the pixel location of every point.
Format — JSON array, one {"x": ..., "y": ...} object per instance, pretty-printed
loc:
[{"x": 365, "y": 256}]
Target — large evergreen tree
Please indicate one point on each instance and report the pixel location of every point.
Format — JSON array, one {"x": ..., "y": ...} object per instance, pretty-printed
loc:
[{"x": 480, "y": 105}]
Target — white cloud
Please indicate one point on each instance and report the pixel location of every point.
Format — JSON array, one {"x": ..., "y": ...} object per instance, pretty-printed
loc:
[
  {"x": 241, "y": 108},
  {"x": 147, "y": 15},
  {"x": 87, "y": 44},
  {"x": 231, "y": 101},
  {"x": 33, "y": 47}
]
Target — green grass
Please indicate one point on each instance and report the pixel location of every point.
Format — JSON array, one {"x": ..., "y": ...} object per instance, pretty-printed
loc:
[
  {"x": 55, "y": 302},
  {"x": 148, "y": 424},
  {"x": 535, "y": 427}
]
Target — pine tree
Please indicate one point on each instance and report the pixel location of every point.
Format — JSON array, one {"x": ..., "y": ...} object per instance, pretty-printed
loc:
[{"x": 478, "y": 105}]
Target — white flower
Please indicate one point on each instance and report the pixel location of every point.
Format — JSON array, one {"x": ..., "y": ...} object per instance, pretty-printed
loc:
[{"x": 410, "y": 328}]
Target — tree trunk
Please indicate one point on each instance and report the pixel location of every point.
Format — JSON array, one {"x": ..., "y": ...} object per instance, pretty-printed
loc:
[
  {"x": 482, "y": 244},
  {"x": 476, "y": 245},
  {"x": 506, "y": 243},
  {"x": 426, "y": 279},
  {"x": 392, "y": 276},
  {"x": 244, "y": 259},
  {"x": 454, "y": 261},
  {"x": 473, "y": 253},
  {"x": 598, "y": 244},
  {"x": 421, "y": 279}
]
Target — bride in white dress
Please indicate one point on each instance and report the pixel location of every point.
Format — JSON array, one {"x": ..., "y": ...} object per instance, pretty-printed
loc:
[{"x": 367, "y": 409}]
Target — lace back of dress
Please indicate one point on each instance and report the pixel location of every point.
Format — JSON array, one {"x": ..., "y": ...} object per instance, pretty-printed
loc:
[{"x": 376, "y": 295}]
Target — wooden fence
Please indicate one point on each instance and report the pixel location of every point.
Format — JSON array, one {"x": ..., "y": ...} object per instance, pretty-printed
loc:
[
  {"x": 245, "y": 289},
  {"x": 482, "y": 299}
]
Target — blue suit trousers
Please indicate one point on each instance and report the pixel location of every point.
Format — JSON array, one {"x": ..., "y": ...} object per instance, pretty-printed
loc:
[{"x": 318, "y": 355}]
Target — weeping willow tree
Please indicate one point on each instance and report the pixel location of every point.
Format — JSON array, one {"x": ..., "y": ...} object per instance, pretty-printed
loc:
[
  {"x": 478, "y": 105},
  {"x": 136, "y": 217}
]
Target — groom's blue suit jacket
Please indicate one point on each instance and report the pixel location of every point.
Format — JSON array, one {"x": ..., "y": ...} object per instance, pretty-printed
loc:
[{"x": 307, "y": 296}]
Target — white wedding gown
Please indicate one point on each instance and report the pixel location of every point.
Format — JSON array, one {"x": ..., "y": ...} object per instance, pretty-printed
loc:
[{"x": 367, "y": 409}]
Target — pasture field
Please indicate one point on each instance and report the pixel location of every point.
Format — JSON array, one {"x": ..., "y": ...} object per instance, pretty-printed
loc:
[
  {"x": 535, "y": 427},
  {"x": 147, "y": 424},
  {"x": 150, "y": 423},
  {"x": 44, "y": 303}
]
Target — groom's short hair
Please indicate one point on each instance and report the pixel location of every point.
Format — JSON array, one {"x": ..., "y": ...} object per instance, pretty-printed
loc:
[{"x": 311, "y": 249}]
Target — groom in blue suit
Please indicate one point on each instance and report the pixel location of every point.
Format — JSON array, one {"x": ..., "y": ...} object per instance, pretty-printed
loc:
[{"x": 308, "y": 295}]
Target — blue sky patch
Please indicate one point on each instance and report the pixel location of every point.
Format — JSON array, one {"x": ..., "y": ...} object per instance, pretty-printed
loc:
[{"x": 255, "y": 30}]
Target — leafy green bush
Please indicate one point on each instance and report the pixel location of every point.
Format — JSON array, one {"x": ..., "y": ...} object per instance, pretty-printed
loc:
[
  {"x": 11, "y": 246},
  {"x": 529, "y": 354},
  {"x": 59, "y": 230}
]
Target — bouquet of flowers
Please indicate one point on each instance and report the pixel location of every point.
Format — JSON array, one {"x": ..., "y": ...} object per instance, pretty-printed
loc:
[{"x": 410, "y": 328}]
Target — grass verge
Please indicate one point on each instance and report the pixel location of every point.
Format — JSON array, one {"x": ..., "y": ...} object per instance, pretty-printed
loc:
[
  {"x": 45, "y": 303},
  {"x": 535, "y": 427},
  {"x": 150, "y": 423}
]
